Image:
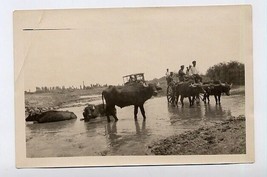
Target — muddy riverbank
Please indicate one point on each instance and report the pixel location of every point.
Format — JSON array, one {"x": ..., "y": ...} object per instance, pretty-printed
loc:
[{"x": 227, "y": 137}]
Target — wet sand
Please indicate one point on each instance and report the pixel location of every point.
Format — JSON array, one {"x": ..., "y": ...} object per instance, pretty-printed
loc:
[{"x": 227, "y": 137}]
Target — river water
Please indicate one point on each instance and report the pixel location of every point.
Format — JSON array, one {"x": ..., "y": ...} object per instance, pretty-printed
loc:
[{"x": 125, "y": 137}]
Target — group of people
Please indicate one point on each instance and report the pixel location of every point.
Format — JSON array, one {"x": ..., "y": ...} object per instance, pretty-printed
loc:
[{"x": 191, "y": 72}]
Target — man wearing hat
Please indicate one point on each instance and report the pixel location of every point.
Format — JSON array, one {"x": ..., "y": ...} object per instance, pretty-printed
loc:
[{"x": 181, "y": 73}]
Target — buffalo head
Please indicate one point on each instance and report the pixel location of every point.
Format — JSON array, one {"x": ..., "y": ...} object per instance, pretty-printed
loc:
[
  {"x": 32, "y": 117},
  {"x": 89, "y": 112},
  {"x": 72, "y": 115},
  {"x": 156, "y": 88},
  {"x": 153, "y": 87},
  {"x": 226, "y": 88}
]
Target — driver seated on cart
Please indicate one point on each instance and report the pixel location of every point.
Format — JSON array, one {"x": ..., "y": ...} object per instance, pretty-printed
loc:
[{"x": 181, "y": 74}]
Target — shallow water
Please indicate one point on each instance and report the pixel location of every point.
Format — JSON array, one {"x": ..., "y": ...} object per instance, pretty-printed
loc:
[
  {"x": 90, "y": 96},
  {"x": 125, "y": 137}
]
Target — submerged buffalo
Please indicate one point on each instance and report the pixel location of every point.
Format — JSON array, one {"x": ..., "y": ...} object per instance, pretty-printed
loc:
[
  {"x": 51, "y": 116},
  {"x": 188, "y": 89},
  {"x": 216, "y": 89},
  {"x": 132, "y": 94},
  {"x": 92, "y": 111}
]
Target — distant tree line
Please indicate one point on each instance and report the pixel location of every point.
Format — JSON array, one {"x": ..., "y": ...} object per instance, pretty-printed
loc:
[
  {"x": 231, "y": 72},
  {"x": 63, "y": 88}
]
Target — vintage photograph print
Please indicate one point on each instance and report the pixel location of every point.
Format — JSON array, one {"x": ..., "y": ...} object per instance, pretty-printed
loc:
[{"x": 133, "y": 86}]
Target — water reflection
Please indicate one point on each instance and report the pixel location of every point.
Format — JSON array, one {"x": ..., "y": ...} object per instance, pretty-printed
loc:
[
  {"x": 111, "y": 134},
  {"x": 138, "y": 130},
  {"x": 90, "y": 127},
  {"x": 111, "y": 128},
  {"x": 184, "y": 113},
  {"x": 51, "y": 126},
  {"x": 194, "y": 115},
  {"x": 216, "y": 112}
]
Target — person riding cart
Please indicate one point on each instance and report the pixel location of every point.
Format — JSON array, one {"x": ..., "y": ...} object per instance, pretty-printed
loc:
[
  {"x": 195, "y": 73},
  {"x": 170, "y": 79},
  {"x": 181, "y": 74}
]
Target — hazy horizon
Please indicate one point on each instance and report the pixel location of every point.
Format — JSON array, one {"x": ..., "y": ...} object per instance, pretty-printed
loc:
[{"x": 101, "y": 46}]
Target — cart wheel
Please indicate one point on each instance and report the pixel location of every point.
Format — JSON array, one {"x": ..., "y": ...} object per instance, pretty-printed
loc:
[{"x": 170, "y": 94}]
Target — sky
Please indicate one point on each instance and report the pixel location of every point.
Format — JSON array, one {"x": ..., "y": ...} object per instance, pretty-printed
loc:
[{"x": 101, "y": 46}]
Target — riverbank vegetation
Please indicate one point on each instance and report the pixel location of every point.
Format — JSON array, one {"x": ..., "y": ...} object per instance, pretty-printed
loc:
[{"x": 231, "y": 72}]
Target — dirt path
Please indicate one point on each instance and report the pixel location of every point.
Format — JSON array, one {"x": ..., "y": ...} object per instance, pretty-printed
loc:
[{"x": 228, "y": 137}]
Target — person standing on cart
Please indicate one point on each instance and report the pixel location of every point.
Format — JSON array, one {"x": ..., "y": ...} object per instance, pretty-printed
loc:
[{"x": 169, "y": 77}]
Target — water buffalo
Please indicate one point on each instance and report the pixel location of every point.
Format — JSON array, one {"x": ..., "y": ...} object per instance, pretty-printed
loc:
[
  {"x": 51, "y": 116},
  {"x": 132, "y": 94},
  {"x": 92, "y": 111},
  {"x": 216, "y": 89},
  {"x": 188, "y": 89}
]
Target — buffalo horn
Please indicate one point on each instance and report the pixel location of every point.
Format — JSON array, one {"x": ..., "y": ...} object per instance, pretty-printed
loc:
[{"x": 145, "y": 84}]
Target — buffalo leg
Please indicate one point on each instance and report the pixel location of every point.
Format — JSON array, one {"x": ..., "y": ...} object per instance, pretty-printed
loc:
[
  {"x": 143, "y": 111},
  {"x": 219, "y": 99},
  {"x": 208, "y": 97},
  {"x": 108, "y": 118},
  {"x": 135, "y": 112},
  {"x": 177, "y": 99},
  {"x": 190, "y": 101},
  {"x": 204, "y": 98},
  {"x": 115, "y": 117},
  {"x": 197, "y": 98},
  {"x": 86, "y": 117},
  {"x": 182, "y": 101},
  {"x": 108, "y": 113},
  {"x": 111, "y": 110},
  {"x": 193, "y": 100},
  {"x": 114, "y": 114},
  {"x": 215, "y": 96}
]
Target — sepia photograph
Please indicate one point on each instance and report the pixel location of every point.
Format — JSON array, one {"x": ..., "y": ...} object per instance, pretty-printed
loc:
[{"x": 134, "y": 86}]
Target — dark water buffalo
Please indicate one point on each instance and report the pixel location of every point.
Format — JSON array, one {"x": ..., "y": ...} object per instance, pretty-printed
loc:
[
  {"x": 216, "y": 89},
  {"x": 133, "y": 94},
  {"x": 51, "y": 116},
  {"x": 189, "y": 90},
  {"x": 92, "y": 111}
]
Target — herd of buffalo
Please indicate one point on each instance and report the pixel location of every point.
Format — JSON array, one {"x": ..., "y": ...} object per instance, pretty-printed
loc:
[
  {"x": 137, "y": 94},
  {"x": 193, "y": 91}
]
